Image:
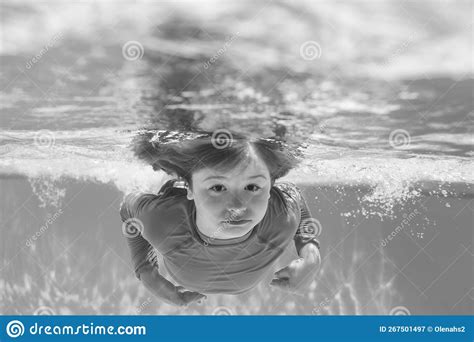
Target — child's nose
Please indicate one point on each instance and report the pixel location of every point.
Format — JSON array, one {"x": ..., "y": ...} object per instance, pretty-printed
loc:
[
  {"x": 235, "y": 214},
  {"x": 236, "y": 203},
  {"x": 236, "y": 211}
]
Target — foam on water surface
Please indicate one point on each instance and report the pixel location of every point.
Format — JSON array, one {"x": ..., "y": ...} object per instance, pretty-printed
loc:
[{"x": 104, "y": 156}]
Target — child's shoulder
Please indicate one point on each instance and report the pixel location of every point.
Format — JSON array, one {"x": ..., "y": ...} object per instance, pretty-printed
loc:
[
  {"x": 288, "y": 192},
  {"x": 138, "y": 202},
  {"x": 285, "y": 185},
  {"x": 283, "y": 213},
  {"x": 289, "y": 189}
]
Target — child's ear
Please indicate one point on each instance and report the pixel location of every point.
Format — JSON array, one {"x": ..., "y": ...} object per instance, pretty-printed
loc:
[{"x": 189, "y": 194}]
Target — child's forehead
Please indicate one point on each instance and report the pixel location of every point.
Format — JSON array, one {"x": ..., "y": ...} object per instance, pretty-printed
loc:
[{"x": 249, "y": 167}]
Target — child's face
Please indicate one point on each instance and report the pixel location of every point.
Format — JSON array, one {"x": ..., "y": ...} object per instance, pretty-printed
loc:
[{"x": 229, "y": 204}]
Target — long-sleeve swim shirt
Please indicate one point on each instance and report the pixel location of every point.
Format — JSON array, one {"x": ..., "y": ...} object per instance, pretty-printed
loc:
[{"x": 166, "y": 223}]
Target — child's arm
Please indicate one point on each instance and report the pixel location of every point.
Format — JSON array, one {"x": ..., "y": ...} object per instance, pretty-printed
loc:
[
  {"x": 308, "y": 228},
  {"x": 167, "y": 291},
  {"x": 141, "y": 251},
  {"x": 144, "y": 255},
  {"x": 297, "y": 276}
]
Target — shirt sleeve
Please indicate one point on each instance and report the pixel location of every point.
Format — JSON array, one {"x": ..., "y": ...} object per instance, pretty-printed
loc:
[
  {"x": 141, "y": 251},
  {"x": 309, "y": 228}
]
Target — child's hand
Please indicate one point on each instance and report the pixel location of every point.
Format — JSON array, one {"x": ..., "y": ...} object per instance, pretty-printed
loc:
[
  {"x": 185, "y": 297},
  {"x": 167, "y": 291},
  {"x": 298, "y": 275},
  {"x": 179, "y": 296}
]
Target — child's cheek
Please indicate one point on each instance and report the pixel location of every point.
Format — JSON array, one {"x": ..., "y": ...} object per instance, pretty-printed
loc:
[
  {"x": 259, "y": 202},
  {"x": 213, "y": 203}
]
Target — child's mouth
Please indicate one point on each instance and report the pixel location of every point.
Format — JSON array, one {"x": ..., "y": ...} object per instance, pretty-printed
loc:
[{"x": 237, "y": 223}]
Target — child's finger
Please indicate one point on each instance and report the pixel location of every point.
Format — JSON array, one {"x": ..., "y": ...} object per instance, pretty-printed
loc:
[
  {"x": 190, "y": 297},
  {"x": 281, "y": 282},
  {"x": 283, "y": 273},
  {"x": 180, "y": 288},
  {"x": 202, "y": 299}
]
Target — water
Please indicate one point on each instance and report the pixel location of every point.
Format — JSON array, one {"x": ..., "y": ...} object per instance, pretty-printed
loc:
[{"x": 383, "y": 116}]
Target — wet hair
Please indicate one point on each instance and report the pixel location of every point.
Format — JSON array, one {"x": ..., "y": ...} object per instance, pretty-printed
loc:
[{"x": 182, "y": 154}]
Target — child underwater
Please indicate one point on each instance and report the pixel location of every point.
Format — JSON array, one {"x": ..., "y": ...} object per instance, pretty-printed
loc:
[{"x": 223, "y": 222}]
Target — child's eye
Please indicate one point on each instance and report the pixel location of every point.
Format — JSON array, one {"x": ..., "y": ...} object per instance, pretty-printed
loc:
[
  {"x": 253, "y": 187},
  {"x": 217, "y": 188}
]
